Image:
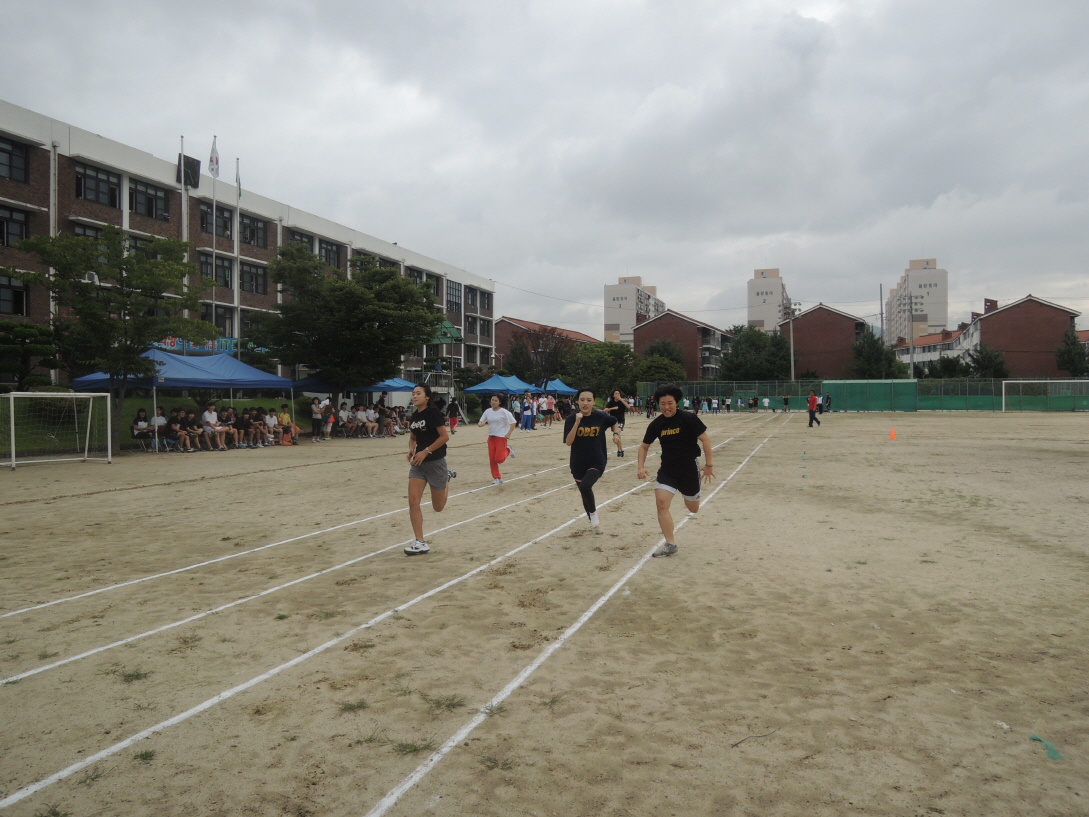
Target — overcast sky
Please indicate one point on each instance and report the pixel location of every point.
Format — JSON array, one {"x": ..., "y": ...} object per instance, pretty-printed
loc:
[{"x": 554, "y": 146}]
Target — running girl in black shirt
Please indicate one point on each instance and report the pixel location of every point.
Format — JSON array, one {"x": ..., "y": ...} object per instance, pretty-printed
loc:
[
  {"x": 427, "y": 439},
  {"x": 681, "y": 433},
  {"x": 584, "y": 431},
  {"x": 618, "y": 408}
]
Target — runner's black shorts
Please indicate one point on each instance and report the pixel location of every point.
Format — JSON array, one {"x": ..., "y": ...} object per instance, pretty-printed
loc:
[
  {"x": 578, "y": 472},
  {"x": 681, "y": 479}
]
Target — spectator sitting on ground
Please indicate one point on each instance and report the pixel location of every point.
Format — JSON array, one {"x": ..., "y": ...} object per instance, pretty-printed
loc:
[
  {"x": 177, "y": 420},
  {"x": 267, "y": 421},
  {"x": 244, "y": 428}
]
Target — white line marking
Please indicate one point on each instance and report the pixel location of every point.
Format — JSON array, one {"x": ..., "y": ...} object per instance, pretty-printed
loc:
[
  {"x": 247, "y": 552},
  {"x": 221, "y": 608},
  {"x": 387, "y": 802},
  {"x": 26, "y": 791}
]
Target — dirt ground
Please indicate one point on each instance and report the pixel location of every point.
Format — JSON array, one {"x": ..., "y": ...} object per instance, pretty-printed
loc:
[{"x": 853, "y": 625}]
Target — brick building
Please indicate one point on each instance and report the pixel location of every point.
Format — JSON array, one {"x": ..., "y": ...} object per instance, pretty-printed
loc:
[
  {"x": 702, "y": 343},
  {"x": 1027, "y": 332},
  {"x": 56, "y": 178},
  {"x": 508, "y": 329},
  {"x": 823, "y": 338}
]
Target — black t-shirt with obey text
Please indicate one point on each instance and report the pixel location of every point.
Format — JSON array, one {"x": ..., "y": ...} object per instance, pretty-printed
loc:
[
  {"x": 589, "y": 449},
  {"x": 425, "y": 427},
  {"x": 679, "y": 436}
]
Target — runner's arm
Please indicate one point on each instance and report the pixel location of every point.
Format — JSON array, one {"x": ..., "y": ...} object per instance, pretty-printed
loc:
[{"x": 641, "y": 467}]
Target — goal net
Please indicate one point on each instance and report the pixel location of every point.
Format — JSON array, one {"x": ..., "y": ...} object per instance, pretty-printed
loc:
[
  {"x": 40, "y": 427},
  {"x": 1045, "y": 395}
]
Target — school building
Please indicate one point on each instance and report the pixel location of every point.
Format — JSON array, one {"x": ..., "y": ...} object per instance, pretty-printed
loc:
[{"x": 57, "y": 178}]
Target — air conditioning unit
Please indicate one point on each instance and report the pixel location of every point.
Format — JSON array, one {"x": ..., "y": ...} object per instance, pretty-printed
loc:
[{"x": 90, "y": 278}]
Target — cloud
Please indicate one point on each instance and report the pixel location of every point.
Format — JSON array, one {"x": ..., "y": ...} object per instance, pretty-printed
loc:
[{"x": 555, "y": 146}]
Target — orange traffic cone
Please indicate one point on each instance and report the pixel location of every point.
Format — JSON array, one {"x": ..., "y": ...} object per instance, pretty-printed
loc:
[{"x": 892, "y": 434}]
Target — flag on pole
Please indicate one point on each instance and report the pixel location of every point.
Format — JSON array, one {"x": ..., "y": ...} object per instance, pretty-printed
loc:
[
  {"x": 213, "y": 161},
  {"x": 237, "y": 180}
]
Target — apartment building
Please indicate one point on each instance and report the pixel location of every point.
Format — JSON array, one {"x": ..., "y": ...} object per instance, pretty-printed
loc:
[
  {"x": 768, "y": 301},
  {"x": 627, "y": 304},
  {"x": 919, "y": 303},
  {"x": 57, "y": 178},
  {"x": 824, "y": 340},
  {"x": 702, "y": 343}
]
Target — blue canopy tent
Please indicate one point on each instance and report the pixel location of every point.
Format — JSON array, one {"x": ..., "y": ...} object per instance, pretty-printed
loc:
[
  {"x": 502, "y": 385},
  {"x": 316, "y": 384},
  {"x": 176, "y": 373},
  {"x": 557, "y": 386}
]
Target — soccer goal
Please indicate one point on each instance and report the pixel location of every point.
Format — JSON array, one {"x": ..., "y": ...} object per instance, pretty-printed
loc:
[
  {"x": 1045, "y": 395},
  {"x": 55, "y": 427}
]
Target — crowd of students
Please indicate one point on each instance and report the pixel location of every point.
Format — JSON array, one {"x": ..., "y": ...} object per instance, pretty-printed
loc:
[{"x": 214, "y": 430}]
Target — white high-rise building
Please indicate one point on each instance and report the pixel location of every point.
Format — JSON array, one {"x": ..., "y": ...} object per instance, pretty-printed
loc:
[
  {"x": 768, "y": 300},
  {"x": 627, "y": 303},
  {"x": 919, "y": 304}
]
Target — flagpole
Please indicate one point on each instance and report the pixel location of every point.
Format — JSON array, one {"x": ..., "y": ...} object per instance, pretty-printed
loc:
[
  {"x": 238, "y": 259},
  {"x": 214, "y": 167},
  {"x": 184, "y": 219}
]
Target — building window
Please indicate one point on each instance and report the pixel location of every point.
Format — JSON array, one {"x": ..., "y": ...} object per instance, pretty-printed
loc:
[
  {"x": 149, "y": 200},
  {"x": 470, "y": 326},
  {"x": 223, "y": 318},
  {"x": 205, "y": 266},
  {"x": 329, "y": 253},
  {"x": 485, "y": 356},
  {"x": 434, "y": 350},
  {"x": 470, "y": 296},
  {"x": 224, "y": 217},
  {"x": 224, "y": 271},
  {"x": 485, "y": 327},
  {"x": 432, "y": 282},
  {"x": 453, "y": 296},
  {"x": 453, "y": 363},
  {"x": 254, "y": 231},
  {"x": 12, "y": 296},
  {"x": 485, "y": 301},
  {"x": 254, "y": 278},
  {"x": 94, "y": 184},
  {"x": 141, "y": 246},
  {"x": 13, "y": 160},
  {"x": 417, "y": 276},
  {"x": 13, "y": 226},
  {"x": 301, "y": 238},
  {"x": 470, "y": 355}
]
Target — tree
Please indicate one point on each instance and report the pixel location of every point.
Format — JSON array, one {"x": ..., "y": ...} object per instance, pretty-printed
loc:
[
  {"x": 536, "y": 354},
  {"x": 664, "y": 347},
  {"x": 1070, "y": 357},
  {"x": 874, "y": 360},
  {"x": 349, "y": 332},
  {"x": 988, "y": 362},
  {"x": 944, "y": 368},
  {"x": 757, "y": 355},
  {"x": 25, "y": 348},
  {"x": 601, "y": 367},
  {"x": 116, "y": 298},
  {"x": 659, "y": 369}
]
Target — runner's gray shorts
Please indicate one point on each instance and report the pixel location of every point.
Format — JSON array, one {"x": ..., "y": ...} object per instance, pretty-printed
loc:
[{"x": 434, "y": 472}]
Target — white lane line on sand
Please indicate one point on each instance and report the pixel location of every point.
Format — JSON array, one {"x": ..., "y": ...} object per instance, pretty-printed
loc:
[
  {"x": 395, "y": 794},
  {"x": 248, "y": 552},
  {"x": 26, "y": 791},
  {"x": 221, "y": 608}
]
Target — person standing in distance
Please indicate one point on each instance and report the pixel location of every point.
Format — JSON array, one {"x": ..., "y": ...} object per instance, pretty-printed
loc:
[
  {"x": 681, "y": 434},
  {"x": 427, "y": 440},
  {"x": 501, "y": 425},
  {"x": 812, "y": 404},
  {"x": 618, "y": 408},
  {"x": 584, "y": 432}
]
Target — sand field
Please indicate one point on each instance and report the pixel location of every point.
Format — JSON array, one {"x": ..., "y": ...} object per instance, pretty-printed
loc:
[{"x": 853, "y": 625}]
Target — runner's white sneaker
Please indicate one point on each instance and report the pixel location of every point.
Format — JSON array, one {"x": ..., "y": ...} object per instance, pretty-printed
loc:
[
  {"x": 665, "y": 550},
  {"x": 416, "y": 548},
  {"x": 510, "y": 451},
  {"x": 497, "y": 481}
]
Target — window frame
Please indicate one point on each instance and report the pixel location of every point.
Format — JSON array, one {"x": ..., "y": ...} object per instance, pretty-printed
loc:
[
  {"x": 15, "y": 292},
  {"x": 485, "y": 324},
  {"x": 255, "y": 227},
  {"x": 327, "y": 250},
  {"x": 253, "y": 278},
  {"x": 104, "y": 185},
  {"x": 305, "y": 239},
  {"x": 485, "y": 300},
  {"x": 220, "y": 311},
  {"x": 10, "y": 217},
  {"x": 13, "y": 150},
  {"x": 155, "y": 200},
  {"x": 226, "y": 264},
  {"x": 453, "y": 296}
]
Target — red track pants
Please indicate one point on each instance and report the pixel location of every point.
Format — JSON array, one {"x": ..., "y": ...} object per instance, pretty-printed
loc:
[{"x": 497, "y": 454}]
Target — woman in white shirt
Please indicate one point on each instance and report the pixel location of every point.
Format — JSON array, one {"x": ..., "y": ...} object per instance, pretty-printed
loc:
[{"x": 501, "y": 425}]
